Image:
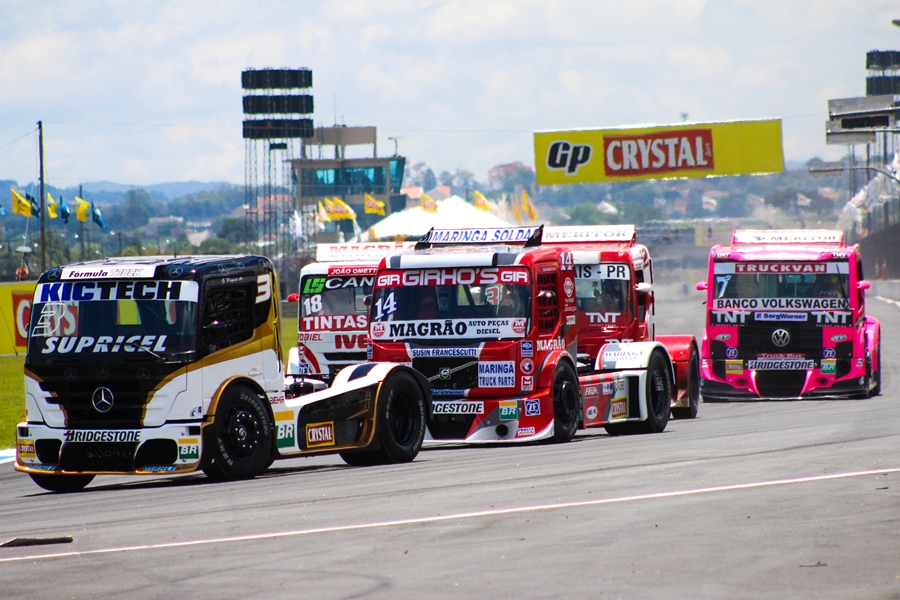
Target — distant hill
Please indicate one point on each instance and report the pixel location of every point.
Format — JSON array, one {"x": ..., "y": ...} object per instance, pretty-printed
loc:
[
  {"x": 108, "y": 192},
  {"x": 168, "y": 191}
]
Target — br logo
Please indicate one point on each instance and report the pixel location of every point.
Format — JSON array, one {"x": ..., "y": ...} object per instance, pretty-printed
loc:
[{"x": 563, "y": 155}]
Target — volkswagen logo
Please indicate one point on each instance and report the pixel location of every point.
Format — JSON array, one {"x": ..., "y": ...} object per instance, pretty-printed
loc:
[
  {"x": 445, "y": 373},
  {"x": 781, "y": 337},
  {"x": 102, "y": 399}
]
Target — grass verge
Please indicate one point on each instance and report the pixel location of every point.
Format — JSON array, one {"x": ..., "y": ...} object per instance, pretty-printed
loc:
[{"x": 12, "y": 398}]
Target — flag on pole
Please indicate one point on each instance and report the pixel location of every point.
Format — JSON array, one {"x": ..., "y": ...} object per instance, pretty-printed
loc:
[
  {"x": 528, "y": 208},
  {"x": 35, "y": 206},
  {"x": 427, "y": 203},
  {"x": 481, "y": 203},
  {"x": 96, "y": 216},
  {"x": 20, "y": 205},
  {"x": 322, "y": 213},
  {"x": 373, "y": 206},
  {"x": 64, "y": 210},
  {"x": 517, "y": 214},
  {"x": 339, "y": 210},
  {"x": 81, "y": 209},
  {"x": 709, "y": 203},
  {"x": 296, "y": 225},
  {"x": 803, "y": 200},
  {"x": 51, "y": 207}
]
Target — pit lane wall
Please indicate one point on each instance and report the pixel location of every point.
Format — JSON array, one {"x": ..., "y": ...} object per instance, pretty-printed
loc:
[{"x": 15, "y": 313}]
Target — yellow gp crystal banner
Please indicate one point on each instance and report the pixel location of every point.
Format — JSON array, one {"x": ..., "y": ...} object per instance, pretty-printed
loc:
[{"x": 658, "y": 152}]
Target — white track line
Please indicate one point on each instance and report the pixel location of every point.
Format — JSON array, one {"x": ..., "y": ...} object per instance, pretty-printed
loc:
[
  {"x": 888, "y": 300},
  {"x": 7, "y": 455},
  {"x": 458, "y": 516}
]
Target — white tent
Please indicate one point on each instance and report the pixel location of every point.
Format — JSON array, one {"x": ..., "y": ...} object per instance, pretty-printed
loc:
[{"x": 452, "y": 213}]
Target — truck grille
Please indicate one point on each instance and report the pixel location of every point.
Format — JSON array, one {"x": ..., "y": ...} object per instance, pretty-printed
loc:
[
  {"x": 73, "y": 386},
  {"x": 449, "y": 373},
  {"x": 756, "y": 337}
]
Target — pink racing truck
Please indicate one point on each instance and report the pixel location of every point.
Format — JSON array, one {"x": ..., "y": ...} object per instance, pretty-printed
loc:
[{"x": 786, "y": 318}]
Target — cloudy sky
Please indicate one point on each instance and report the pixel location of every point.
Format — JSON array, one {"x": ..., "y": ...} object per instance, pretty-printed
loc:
[{"x": 149, "y": 92}]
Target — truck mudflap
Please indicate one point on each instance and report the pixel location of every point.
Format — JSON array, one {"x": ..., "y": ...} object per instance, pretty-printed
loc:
[
  {"x": 683, "y": 352},
  {"x": 345, "y": 416}
]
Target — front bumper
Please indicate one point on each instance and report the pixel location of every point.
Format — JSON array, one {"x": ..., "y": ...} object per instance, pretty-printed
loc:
[
  {"x": 716, "y": 390},
  {"x": 172, "y": 448}
]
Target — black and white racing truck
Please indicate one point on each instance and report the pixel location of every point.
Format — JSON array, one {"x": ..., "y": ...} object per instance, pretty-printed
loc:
[{"x": 165, "y": 365}]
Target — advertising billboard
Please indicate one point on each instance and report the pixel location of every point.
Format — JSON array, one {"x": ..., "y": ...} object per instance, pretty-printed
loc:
[
  {"x": 658, "y": 152},
  {"x": 15, "y": 308}
]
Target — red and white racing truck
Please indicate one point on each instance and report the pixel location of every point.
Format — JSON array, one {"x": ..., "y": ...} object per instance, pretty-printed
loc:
[
  {"x": 616, "y": 303},
  {"x": 786, "y": 319},
  {"x": 333, "y": 318},
  {"x": 489, "y": 317}
]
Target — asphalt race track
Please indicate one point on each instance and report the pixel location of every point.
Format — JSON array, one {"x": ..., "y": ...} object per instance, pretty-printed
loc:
[{"x": 750, "y": 500}]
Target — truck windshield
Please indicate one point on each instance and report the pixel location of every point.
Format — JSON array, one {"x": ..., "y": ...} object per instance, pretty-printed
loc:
[
  {"x": 482, "y": 302},
  {"x": 329, "y": 295},
  {"x": 114, "y": 318},
  {"x": 781, "y": 280},
  {"x": 601, "y": 291}
]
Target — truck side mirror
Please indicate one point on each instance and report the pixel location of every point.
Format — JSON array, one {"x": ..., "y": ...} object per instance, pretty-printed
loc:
[
  {"x": 863, "y": 285},
  {"x": 702, "y": 286},
  {"x": 293, "y": 297},
  {"x": 643, "y": 287},
  {"x": 368, "y": 300}
]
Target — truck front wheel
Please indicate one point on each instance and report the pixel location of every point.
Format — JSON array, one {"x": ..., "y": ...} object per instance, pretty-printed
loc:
[
  {"x": 566, "y": 403},
  {"x": 240, "y": 443},
  {"x": 659, "y": 385},
  {"x": 690, "y": 411},
  {"x": 400, "y": 424}
]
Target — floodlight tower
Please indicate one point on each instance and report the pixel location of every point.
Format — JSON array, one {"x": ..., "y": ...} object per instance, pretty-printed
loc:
[{"x": 273, "y": 132}]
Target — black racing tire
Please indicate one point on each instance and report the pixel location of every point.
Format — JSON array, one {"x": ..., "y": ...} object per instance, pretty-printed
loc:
[
  {"x": 61, "y": 483},
  {"x": 615, "y": 429},
  {"x": 363, "y": 458},
  {"x": 659, "y": 385},
  {"x": 240, "y": 439},
  {"x": 399, "y": 424},
  {"x": 566, "y": 403},
  {"x": 690, "y": 411}
]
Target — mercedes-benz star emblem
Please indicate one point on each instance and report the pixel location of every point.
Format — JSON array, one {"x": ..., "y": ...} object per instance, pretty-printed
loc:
[
  {"x": 102, "y": 399},
  {"x": 143, "y": 374},
  {"x": 781, "y": 337},
  {"x": 103, "y": 371},
  {"x": 70, "y": 375}
]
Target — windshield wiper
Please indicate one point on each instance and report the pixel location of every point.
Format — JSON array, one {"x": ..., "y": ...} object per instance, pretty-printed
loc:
[{"x": 145, "y": 349}]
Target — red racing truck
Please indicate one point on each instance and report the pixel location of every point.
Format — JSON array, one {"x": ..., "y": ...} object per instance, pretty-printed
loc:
[
  {"x": 786, "y": 319},
  {"x": 489, "y": 317},
  {"x": 615, "y": 302}
]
